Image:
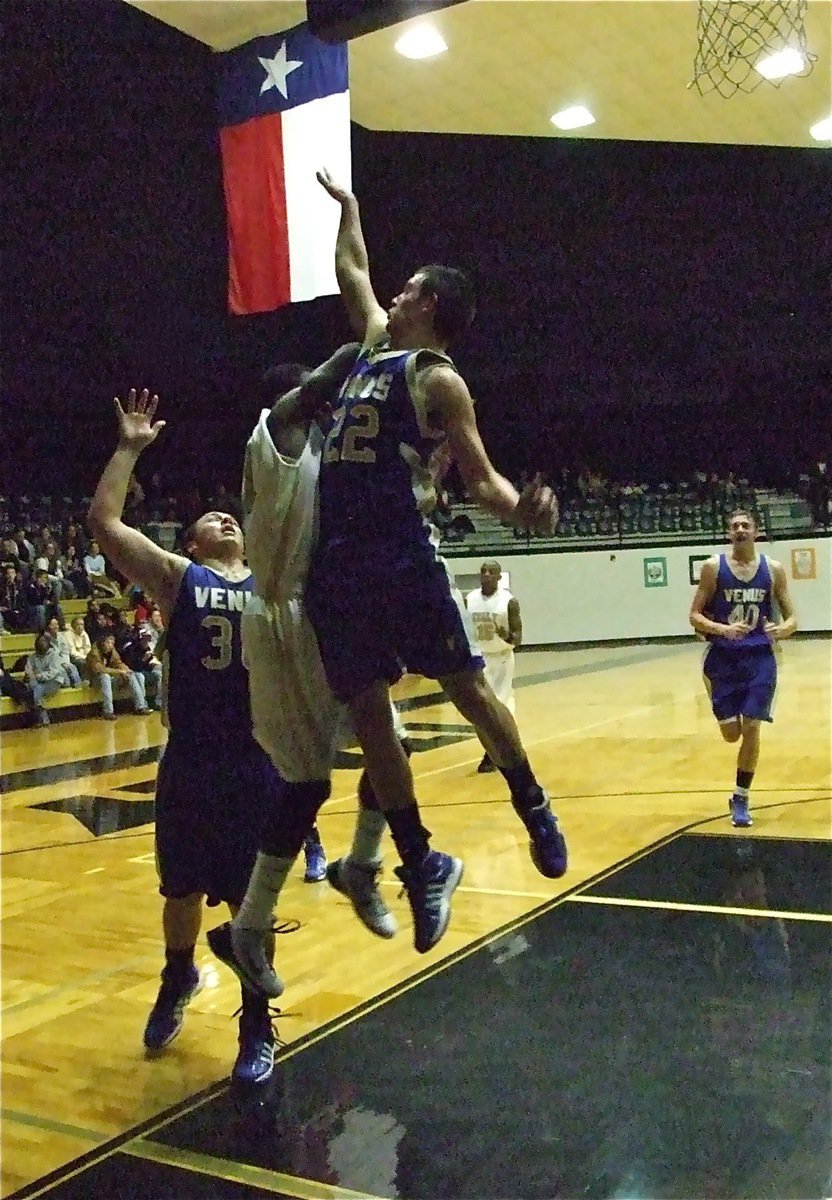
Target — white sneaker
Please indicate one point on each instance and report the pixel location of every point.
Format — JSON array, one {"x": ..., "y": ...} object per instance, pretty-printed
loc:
[{"x": 358, "y": 884}]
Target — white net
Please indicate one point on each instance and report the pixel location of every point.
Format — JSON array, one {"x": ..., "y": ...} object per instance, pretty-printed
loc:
[{"x": 735, "y": 37}]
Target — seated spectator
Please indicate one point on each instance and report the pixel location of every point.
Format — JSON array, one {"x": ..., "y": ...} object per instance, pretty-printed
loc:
[
  {"x": 123, "y": 630},
  {"x": 52, "y": 562},
  {"x": 24, "y": 547},
  {"x": 105, "y": 667},
  {"x": 17, "y": 690},
  {"x": 10, "y": 556},
  {"x": 54, "y": 630},
  {"x": 153, "y": 627},
  {"x": 78, "y": 641},
  {"x": 96, "y": 569},
  {"x": 138, "y": 655},
  {"x": 75, "y": 573},
  {"x": 142, "y": 607},
  {"x": 13, "y": 614},
  {"x": 76, "y": 539},
  {"x": 39, "y": 603},
  {"x": 45, "y": 675}
]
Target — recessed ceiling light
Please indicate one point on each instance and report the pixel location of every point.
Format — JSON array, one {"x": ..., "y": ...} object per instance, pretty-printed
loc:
[
  {"x": 822, "y": 131},
  {"x": 785, "y": 62},
  {"x": 573, "y": 118},
  {"x": 422, "y": 41}
]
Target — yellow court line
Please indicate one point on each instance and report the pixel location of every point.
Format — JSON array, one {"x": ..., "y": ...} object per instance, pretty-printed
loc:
[
  {"x": 240, "y": 1172},
  {"x": 50, "y": 1126},
  {"x": 721, "y": 910}
]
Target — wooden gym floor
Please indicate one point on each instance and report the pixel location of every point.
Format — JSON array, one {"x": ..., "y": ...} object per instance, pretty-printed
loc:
[{"x": 631, "y": 1029}]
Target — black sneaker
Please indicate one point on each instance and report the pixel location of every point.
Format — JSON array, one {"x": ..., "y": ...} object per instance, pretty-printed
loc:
[
  {"x": 486, "y": 766},
  {"x": 168, "y": 1013}
]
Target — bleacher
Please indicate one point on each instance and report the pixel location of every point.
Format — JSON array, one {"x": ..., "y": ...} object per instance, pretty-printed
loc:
[
  {"x": 84, "y": 701},
  {"x": 641, "y": 518}
]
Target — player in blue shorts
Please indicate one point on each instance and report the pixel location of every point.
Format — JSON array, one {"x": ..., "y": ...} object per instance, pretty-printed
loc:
[
  {"x": 377, "y": 594},
  {"x": 215, "y": 785},
  {"x": 734, "y": 609}
]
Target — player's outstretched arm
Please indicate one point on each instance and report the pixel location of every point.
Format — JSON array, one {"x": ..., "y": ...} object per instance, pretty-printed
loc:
[
  {"x": 293, "y": 412},
  {"x": 450, "y": 404},
  {"x": 787, "y": 625},
  {"x": 138, "y": 558},
  {"x": 352, "y": 266}
]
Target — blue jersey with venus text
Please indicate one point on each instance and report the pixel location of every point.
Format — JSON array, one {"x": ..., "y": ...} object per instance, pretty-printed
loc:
[
  {"x": 737, "y": 600},
  {"x": 375, "y": 485},
  {"x": 206, "y": 684}
]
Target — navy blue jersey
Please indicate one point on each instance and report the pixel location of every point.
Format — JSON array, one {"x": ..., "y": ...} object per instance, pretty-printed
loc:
[
  {"x": 736, "y": 600},
  {"x": 375, "y": 485},
  {"x": 206, "y": 684}
]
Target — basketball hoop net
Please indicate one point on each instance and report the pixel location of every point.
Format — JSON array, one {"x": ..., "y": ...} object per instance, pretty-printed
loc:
[{"x": 734, "y": 38}]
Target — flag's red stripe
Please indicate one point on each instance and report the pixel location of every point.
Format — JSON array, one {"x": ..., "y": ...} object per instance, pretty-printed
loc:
[{"x": 255, "y": 198}]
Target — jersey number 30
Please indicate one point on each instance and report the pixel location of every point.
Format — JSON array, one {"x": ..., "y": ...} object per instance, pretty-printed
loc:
[
  {"x": 223, "y": 643},
  {"x": 365, "y": 429}
]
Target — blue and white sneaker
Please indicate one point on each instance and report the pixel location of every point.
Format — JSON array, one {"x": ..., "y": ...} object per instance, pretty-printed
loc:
[
  {"x": 429, "y": 889},
  {"x": 315, "y": 862},
  {"x": 547, "y": 845},
  {"x": 168, "y": 1013},
  {"x": 255, "y": 1059},
  {"x": 740, "y": 816}
]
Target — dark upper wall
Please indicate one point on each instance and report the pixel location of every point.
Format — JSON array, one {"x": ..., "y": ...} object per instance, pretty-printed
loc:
[{"x": 609, "y": 274}]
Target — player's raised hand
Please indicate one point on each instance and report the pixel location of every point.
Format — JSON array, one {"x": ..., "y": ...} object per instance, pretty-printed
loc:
[
  {"x": 336, "y": 191},
  {"x": 537, "y": 508},
  {"x": 136, "y": 427}
]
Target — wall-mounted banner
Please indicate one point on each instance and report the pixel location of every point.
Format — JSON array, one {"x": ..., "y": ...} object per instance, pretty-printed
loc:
[
  {"x": 655, "y": 572},
  {"x": 804, "y": 565}
]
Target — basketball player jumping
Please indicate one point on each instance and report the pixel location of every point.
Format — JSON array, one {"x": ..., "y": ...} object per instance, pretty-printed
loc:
[
  {"x": 215, "y": 783},
  {"x": 377, "y": 595},
  {"x": 733, "y": 609}
]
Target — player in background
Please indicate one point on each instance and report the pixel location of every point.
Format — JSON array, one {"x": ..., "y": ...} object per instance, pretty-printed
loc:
[
  {"x": 733, "y": 608},
  {"x": 496, "y": 616}
]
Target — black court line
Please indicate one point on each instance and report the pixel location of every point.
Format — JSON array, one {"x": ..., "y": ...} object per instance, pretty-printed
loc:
[
  {"x": 164, "y": 1119},
  {"x": 61, "y": 772}
]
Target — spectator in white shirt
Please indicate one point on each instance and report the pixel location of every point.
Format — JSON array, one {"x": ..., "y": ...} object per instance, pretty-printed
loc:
[
  {"x": 96, "y": 570},
  {"x": 78, "y": 641},
  {"x": 55, "y": 631}
]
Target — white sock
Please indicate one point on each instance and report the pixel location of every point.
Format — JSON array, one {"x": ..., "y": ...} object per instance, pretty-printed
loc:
[
  {"x": 264, "y": 887},
  {"x": 366, "y": 843},
  {"x": 744, "y": 793}
]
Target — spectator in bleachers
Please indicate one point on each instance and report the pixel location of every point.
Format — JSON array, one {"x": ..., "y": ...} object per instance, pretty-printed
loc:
[
  {"x": 75, "y": 539},
  {"x": 52, "y": 562},
  {"x": 45, "y": 675},
  {"x": 123, "y": 630},
  {"x": 75, "y": 573},
  {"x": 10, "y": 556},
  {"x": 96, "y": 569},
  {"x": 43, "y": 538},
  {"x": 39, "y": 601},
  {"x": 105, "y": 667},
  {"x": 24, "y": 547},
  {"x": 16, "y": 689},
  {"x": 137, "y": 654},
  {"x": 140, "y": 606},
  {"x": 153, "y": 627},
  {"x": 12, "y": 601},
  {"x": 55, "y": 629},
  {"x": 78, "y": 642}
]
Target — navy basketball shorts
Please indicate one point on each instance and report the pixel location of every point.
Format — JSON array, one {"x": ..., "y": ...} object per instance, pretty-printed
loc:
[
  {"x": 741, "y": 683},
  {"x": 379, "y": 612},
  {"x": 210, "y": 809}
]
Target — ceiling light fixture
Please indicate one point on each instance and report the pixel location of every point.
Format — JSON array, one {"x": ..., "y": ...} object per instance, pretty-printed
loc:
[
  {"x": 785, "y": 62},
  {"x": 573, "y": 118},
  {"x": 822, "y": 130},
  {"x": 422, "y": 41}
]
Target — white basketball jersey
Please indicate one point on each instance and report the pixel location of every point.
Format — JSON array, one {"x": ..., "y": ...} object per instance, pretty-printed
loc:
[
  {"x": 490, "y": 613},
  {"x": 280, "y": 499}
]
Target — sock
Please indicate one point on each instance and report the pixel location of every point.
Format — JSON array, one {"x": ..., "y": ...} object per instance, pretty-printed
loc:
[
  {"x": 366, "y": 841},
  {"x": 743, "y": 783},
  {"x": 179, "y": 963},
  {"x": 313, "y": 838},
  {"x": 525, "y": 791},
  {"x": 409, "y": 834},
  {"x": 264, "y": 887},
  {"x": 255, "y": 1007}
]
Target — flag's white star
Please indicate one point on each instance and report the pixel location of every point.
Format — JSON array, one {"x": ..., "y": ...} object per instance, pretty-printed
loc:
[{"x": 277, "y": 69}]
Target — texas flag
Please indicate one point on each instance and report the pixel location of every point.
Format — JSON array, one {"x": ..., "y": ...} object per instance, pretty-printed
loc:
[{"x": 284, "y": 112}]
